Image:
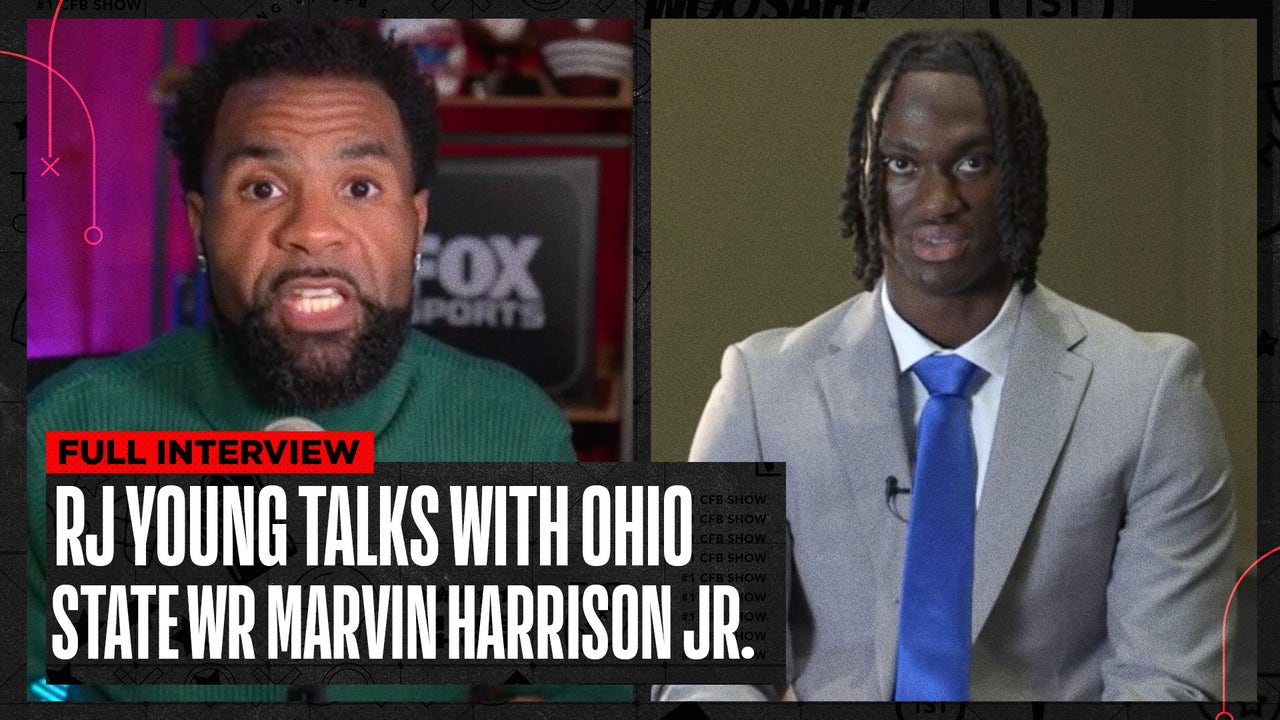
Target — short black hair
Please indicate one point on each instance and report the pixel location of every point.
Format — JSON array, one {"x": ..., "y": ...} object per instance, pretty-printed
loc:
[
  {"x": 1020, "y": 135},
  {"x": 306, "y": 49}
]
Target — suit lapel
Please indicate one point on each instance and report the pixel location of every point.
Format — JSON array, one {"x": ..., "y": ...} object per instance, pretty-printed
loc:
[
  {"x": 1038, "y": 406},
  {"x": 859, "y": 383}
]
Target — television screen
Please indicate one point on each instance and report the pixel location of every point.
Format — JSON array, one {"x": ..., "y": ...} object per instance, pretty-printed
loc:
[{"x": 507, "y": 265}]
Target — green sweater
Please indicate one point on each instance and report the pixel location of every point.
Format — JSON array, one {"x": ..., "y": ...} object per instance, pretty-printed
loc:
[{"x": 436, "y": 404}]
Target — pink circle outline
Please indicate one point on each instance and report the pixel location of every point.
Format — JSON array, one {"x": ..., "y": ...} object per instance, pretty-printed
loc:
[{"x": 90, "y": 229}]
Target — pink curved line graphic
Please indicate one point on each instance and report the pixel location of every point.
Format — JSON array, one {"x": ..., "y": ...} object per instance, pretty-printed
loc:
[
  {"x": 49, "y": 82},
  {"x": 93, "y": 137},
  {"x": 1224, "y": 625}
]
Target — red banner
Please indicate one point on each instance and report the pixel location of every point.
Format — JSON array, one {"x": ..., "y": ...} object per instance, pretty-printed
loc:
[{"x": 189, "y": 453}]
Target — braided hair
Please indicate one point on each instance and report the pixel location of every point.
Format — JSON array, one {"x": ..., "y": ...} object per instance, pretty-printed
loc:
[{"x": 1018, "y": 127}]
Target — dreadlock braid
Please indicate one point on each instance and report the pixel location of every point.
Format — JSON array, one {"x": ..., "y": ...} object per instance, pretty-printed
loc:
[
  {"x": 860, "y": 215},
  {"x": 1017, "y": 124},
  {"x": 1031, "y": 137}
]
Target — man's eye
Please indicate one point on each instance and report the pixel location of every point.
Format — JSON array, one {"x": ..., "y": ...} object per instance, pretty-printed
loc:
[
  {"x": 360, "y": 189},
  {"x": 263, "y": 190},
  {"x": 974, "y": 164},
  {"x": 898, "y": 165}
]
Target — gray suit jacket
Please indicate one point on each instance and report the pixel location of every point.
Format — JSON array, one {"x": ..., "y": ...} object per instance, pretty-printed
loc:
[{"x": 1102, "y": 540}]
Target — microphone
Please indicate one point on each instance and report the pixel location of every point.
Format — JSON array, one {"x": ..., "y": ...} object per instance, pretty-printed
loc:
[
  {"x": 891, "y": 491},
  {"x": 297, "y": 693},
  {"x": 292, "y": 424},
  {"x": 891, "y": 488},
  {"x": 243, "y": 574}
]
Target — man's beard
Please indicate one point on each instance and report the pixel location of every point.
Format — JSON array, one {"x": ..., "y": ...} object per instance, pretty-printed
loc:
[{"x": 315, "y": 372}]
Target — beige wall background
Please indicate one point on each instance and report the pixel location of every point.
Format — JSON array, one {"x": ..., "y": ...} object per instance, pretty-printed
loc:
[{"x": 1152, "y": 192}]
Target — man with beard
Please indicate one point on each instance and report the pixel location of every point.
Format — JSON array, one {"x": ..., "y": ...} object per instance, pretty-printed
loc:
[{"x": 306, "y": 152}]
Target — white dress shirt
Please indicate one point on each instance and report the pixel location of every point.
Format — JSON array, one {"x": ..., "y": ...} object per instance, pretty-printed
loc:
[{"x": 989, "y": 350}]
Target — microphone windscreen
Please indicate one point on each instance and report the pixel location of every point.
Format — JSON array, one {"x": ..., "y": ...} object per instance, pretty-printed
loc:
[{"x": 292, "y": 424}]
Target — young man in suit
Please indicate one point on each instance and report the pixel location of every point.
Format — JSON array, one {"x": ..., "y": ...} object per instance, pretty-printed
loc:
[{"x": 993, "y": 492}]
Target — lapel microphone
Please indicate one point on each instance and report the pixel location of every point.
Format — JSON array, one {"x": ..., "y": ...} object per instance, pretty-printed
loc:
[{"x": 891, "y": 492}]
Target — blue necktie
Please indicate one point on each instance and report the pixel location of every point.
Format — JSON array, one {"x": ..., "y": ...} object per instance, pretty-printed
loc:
[{"x": 937, "y": 576}]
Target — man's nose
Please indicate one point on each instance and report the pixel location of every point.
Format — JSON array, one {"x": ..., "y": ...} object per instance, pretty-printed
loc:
[
  {"x": 312, "y": 225},
  {"x": 940, "y": 195}
]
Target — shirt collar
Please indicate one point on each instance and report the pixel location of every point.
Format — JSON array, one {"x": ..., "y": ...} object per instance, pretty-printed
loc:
[{"x": 988, "y": 350}]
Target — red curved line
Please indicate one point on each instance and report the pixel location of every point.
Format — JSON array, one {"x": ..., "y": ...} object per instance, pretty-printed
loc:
[
  {"x": 1224, "y": 621},
  {"x": 49, "y": 79},
  {"x": 93, "y": 136}
]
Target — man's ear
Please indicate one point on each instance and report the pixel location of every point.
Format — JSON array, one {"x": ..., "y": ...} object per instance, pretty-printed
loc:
[
  {"x": 420, "y": 202},
  {"x": 195, "y": 217}
]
